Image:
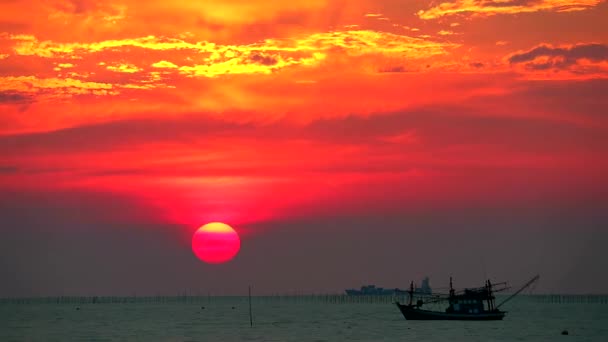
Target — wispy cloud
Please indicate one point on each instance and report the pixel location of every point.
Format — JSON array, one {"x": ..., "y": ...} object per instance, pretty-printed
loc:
[
  {"x": 354, "y": 42},
  {"x": 493, "y": 7},
  {"x": 57, "y": 86}
]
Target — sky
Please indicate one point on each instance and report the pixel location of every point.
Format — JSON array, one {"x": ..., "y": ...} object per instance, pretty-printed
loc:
[{"x": 347, "y": 142}]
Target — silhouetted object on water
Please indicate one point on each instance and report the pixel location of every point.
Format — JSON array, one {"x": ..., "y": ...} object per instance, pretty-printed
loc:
[
  {"x": 425, "y": 288},
  {"x": 467, "y": 304},
  {"x": 250, "y": 314},
  {"x": 372, "y": 290}
]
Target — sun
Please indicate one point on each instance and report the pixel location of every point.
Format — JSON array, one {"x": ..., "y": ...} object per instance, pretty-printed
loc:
[{"x": 215, "y": 243}]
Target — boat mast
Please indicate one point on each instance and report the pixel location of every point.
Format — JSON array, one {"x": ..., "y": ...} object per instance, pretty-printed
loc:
[
  {"x": 411, "y": 291},
  {"x": 490, "y": 297},
  {"x": 451, "y": 288}
]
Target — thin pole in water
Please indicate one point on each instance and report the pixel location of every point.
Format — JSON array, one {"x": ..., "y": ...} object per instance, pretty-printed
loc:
[{"x": 250, "y": 316}]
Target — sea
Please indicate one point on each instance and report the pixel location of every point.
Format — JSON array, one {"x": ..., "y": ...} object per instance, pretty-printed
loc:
[{"x": 317, "y": 318}]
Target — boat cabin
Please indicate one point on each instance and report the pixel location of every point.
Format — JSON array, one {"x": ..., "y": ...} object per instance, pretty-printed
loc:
[
  {"x": 461, "y": 304},
  {"x": 471, "y": 301}
]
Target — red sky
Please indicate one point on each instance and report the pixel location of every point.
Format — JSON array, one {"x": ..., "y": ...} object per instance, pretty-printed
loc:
[{"x": 251, "y": 112}]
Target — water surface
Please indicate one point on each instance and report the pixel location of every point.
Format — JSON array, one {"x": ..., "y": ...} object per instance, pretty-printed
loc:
[{"x": 227, "y": 319}]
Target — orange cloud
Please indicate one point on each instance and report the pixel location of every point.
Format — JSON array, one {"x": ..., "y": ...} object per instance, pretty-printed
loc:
[
  {"x": 56, "y": 86},
  {"x": 357, "y": 42},
  {"x": 126, "y": 71},
  {"x": 224, "y": 20},
  {"x": 164, "y": 65},
  {"x": 149, "y": 62},
  {"x": 493, "y": 7},
  {"x": 445, "y": 33},
  {"x": 126, "y": 68}
]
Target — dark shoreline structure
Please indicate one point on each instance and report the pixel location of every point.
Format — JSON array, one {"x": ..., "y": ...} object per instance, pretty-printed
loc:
[{"x": 474, "y": 304}]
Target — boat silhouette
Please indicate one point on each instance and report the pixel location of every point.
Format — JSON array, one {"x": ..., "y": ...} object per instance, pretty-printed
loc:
[{"x": 472, "y": 304}]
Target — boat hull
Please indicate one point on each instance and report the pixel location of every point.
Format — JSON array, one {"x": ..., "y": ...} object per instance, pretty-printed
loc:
[{"x": 412, "y": 313}]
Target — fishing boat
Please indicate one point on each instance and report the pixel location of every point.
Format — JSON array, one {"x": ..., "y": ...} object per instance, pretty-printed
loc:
[{"x": 472, "y": 304}]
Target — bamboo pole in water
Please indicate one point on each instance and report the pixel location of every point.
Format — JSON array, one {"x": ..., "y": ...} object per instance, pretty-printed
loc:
[{"x": 250, "y": 315}]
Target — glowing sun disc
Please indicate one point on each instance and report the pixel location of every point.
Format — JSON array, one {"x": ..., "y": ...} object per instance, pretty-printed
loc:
[{"x": 215, "y": 243}]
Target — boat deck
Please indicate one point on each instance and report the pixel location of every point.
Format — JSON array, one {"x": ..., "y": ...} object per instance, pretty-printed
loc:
[{"x": 412, "y": 313}]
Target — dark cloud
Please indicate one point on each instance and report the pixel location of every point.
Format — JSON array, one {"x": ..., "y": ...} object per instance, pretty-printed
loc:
[
  {"x": 263, "y": 59},
  {"x": 436, "y": 126},
  {"x": 110, "y": 135},
  {"x": 394, "y": 69},
  {"x": 13, "y": 97},
  {"x": 583, "y": 99},
  {"x": 491, "y": 7},
  {"x": 509, "y": 3},
  {"x": 560, "y": 57},
  {"x": 8, "y": 169},
  {"x": 476, "y": 65}
]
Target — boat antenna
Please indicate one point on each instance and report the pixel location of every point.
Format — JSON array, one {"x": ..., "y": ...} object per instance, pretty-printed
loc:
[
  {"x": 530, "y": 282},
  {"x": 489, "y": 294},
  {"x": 483, "y": 267},
  {"x": 451, "y": 288}
]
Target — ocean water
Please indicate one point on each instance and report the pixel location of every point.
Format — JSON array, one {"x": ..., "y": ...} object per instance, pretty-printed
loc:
[{"x": 227, "y": 319}]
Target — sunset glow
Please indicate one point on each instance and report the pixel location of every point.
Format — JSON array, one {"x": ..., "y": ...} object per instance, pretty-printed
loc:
[
  {"x": 341, "y": 139},
  {"x": 253, "y": 112}
]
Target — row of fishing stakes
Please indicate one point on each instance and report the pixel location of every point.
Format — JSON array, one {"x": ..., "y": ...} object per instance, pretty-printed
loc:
[{"x": 290, "y": 298}]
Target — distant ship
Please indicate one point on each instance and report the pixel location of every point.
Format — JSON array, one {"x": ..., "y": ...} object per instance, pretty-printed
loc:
[
  {"x": 372, "y": 290},
  {"x": 425, "y": 288},
  {"x": 474, "y": 304}
]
